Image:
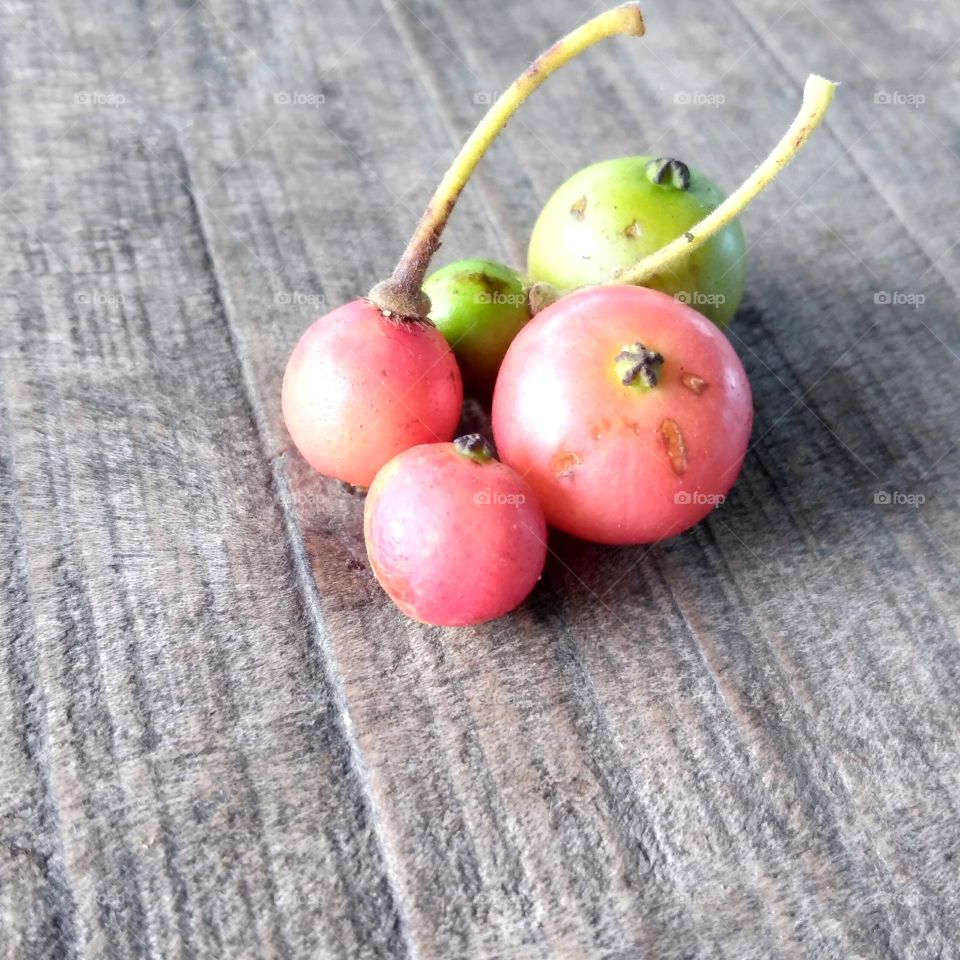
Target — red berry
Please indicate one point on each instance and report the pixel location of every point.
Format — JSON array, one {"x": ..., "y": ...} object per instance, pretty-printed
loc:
[
  {"x": 628, "y": 413},
  {"x": 360, "y": 387},
  {"x": 454, "y": 536}
]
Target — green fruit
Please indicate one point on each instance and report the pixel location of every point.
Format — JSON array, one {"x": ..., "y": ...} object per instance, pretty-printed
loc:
[
  {"x": 479, "y": 306},
  {"x": 610, "y": 215}
]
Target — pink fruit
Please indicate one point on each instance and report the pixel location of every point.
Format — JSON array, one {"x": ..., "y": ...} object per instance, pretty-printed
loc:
[
  {"x": 626, "y": 411},
  {"x": 454, "y": 536},
  {"x": 361, "y": 387}
]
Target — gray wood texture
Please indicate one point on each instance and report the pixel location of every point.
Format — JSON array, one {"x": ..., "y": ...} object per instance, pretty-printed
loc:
[{"x": 219, "y": 739}]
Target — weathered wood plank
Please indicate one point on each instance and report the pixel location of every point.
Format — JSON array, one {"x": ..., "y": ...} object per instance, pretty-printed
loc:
[
  {"x": 898, "y": 115},
  {"x": 849, "y": 497},
  {"x": 742, "y": 743},
  {"x": 176, "y": 778},
  {"x": 710, "y": 756},
  {"x": 31, "y": 856}
]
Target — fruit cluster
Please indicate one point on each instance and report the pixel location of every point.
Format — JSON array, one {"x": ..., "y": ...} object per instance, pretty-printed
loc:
[{"x": 620, "y": 411}]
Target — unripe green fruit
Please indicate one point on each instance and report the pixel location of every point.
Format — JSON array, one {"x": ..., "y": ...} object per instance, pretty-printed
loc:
[
  {"x": 479, "y": 306},
  {"x": 610, "y": 215}
]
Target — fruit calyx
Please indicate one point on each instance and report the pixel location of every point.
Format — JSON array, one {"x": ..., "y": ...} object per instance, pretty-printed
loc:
[
  {"x": 668, "y": 172},
  {"x": 541, "y": 295},
  {"x": 475, "y": 447},
  {"x": 400, "y": 297},
  {"x": 400, "y": 301},
  {"x": 637, "y": 365}
]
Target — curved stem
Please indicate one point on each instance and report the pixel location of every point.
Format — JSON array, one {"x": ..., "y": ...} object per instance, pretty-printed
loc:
[
  {"x": 402, "y": 291},
  {"x": 817, "y": 94}
]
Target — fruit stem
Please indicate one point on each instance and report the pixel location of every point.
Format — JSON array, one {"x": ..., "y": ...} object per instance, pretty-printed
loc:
[
  {"x": 401, "y": 295},
  {"x": 817, "y": 94}
]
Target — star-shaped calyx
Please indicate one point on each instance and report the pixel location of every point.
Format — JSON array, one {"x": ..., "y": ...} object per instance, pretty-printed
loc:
[{"x": 635, "y": 363}]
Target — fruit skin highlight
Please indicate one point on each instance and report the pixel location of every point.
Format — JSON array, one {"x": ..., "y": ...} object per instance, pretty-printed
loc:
[
  {"x": 360, "y": 387},
  {"x": 479, "y": 306},
  {"x": 454, "y": 537},
  {"x": 610, "y": 215},
  {"x": 616, "y": 463}
]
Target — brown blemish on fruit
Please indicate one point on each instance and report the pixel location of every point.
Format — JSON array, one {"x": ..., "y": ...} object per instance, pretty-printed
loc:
[
  {"x": 676, "y": 448},
  {"x": 565, "y": 462},
  {"x": 692, "y": 382},
  {"x": 689, "y": 236},
  {"x": 579, "y": 208},
  {"x": 493, "y": 286},
  {"x": 634, "y": 231},
  {"x": 632, "y": 425},
  {"x": 599, "y": 428}
]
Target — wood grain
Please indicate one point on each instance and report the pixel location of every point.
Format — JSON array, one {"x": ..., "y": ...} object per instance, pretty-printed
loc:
[
  {"x": 220, "y": 739},
  {"x": 178, "y": 777}
]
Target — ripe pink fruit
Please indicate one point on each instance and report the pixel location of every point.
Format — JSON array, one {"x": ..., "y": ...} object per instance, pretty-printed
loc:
[
  {"x": 454, "y": 537},
  {"x": 628, "y": 413},
  {"x": 360, "y": 387}
]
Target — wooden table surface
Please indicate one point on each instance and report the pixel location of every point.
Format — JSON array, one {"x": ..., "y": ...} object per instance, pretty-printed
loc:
[{"x": 219, "y": 739}]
